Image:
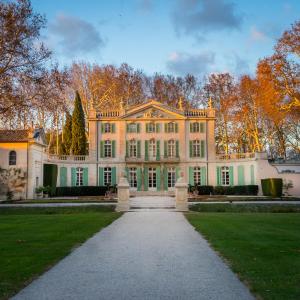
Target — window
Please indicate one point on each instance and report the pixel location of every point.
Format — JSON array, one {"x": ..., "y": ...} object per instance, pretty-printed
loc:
[
  {"x": 107, "y": 148},
  {"x": 171, "y": 177},
  {"x": 107, "y": 127},
  {"x": 79, "y": 176},
  {"x": 152, "y": 178},
  {"x": 151, "y": 127},
  {"x": 171, "y": 148},
  {"x": 195, "y": 127},
  {"x": 107, "y": 176},
  {"x": 132, "y": 177},
  {"x": 132, "y": 127},
  {"x": 12, "y": 158},
  {"x": 225, "y": 176},
  {"x": 197, "y": 175},
  {"x": 196, "y": 148},
  {"x": 171, "y": 127},
  {"x": 37, "y": 183},
  {"x": 152, "y": 148},
  {"x": 132, "y": 148}
]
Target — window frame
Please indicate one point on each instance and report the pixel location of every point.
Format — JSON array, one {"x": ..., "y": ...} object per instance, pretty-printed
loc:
[
  {"x": 152, "y": 148},
  {"x": 133, "y": 148},
  {"x": 171, "y": 177},
  {"x": 197, "y": 175},
  {"x": 171, "y": 149},
  {"x": 225, "y": 176},
  {"x": 107, "y": 127},
  {"x": 79, "y": 176},
  {"x": 196, "y": 148},
  {"x": 151, "y": 127},
  {"x": 195, "y": 127},
  {"x": 107, "y": 148},
  {"x": 132, "y": 127},
  {"x": 171, "y": 127},
  {"x": 12, "y": 158},
  {"x": 132, "y": 172},
  {"x": 107, "y": 172},
  {"x": 152, "y": 181}
]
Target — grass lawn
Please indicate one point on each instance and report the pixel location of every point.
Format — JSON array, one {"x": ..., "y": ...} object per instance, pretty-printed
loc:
[
  {"x": 33, "y": 239},
  {"x": 262, "y": 248}
]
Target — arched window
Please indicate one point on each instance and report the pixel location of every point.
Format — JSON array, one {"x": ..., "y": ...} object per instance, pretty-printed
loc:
[
  {"x": 79, "y": 176},
  {"x": 171, "y": 148},
  {"x": 12, "y": 158},
  {"x": 132, "y": 148},
  {"x": 107, "y": 148},
  {"x": 152, "y": 148},
  {"x": 225, "y": 176}
]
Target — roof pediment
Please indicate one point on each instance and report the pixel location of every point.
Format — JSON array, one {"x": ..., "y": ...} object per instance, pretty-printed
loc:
[{"x": 153, "y": 110}]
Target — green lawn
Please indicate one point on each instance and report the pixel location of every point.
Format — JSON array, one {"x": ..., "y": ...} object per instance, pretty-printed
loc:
[
  {"x": 32, "y": 240},
  {"x": 262, "y": 248}
]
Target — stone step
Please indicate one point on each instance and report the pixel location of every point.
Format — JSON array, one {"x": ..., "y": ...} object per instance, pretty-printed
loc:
[{"x": 151, "y": 193}]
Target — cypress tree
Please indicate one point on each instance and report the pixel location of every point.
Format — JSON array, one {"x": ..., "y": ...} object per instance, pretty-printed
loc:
[
  {"x": 79, "y": 142},
  {"x": 67, "y": 133}
]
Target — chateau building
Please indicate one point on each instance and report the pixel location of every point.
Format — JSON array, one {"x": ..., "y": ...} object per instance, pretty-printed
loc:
[{"x": 153, "y": 144}]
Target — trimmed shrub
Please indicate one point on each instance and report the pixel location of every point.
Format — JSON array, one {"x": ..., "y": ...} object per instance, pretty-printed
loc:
[
  {"x": 249, "y": 190},
  {"x": 205, "y": 189},
  {"x": 272, "y": 187},
  {"x": 83, "y": 190}
]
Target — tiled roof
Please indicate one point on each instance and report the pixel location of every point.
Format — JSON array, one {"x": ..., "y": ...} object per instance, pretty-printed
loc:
[{"x": 19, "y": 135}]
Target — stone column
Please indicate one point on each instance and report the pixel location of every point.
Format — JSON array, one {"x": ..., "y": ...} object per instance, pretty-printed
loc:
[
  {"x": 123, "y": 194},
  {"x": 181, "y": 194}
]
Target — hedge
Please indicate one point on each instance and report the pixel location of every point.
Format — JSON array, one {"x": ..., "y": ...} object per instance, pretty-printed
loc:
[
  {"x": 83, "y": 190},
  {"x": 250, "y": 190},
  {"x": 50, "y": 177}
]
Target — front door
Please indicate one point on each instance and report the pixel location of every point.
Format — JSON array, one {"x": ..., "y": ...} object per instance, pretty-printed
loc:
[{"x": 152, "y": 179}]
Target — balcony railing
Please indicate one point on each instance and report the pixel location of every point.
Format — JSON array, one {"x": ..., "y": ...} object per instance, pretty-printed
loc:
[
  {"x": 235, "y": 156},
  {"x": 152, "y": 159},
  {"x": 67, "y": 158}
]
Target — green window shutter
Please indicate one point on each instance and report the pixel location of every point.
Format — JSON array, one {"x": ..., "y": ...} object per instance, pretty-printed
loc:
[
  {"x": 139, "y": 178},
  {"x": 113, "y": 175},
  {"x": 202, "y": 148},
  {"x": 146, "y": 150},
  {"x": 166, "y": 127},
  {"x": 73, "y": 176},
  {"x": 113, "y": 127},
  {"x": 165, "y": 179},
  {"x": 113, "y": 150},
  {"x": 101, "y": 176},
  {"x": 231, "y": 178},
  {"x": 177, "y": 148},
  {"x": 165, "y": 149},
  {"x": 127, "y": 127},
  {"x": 102, "y": 149},
  {"x": 146, "y": 179},
  {"x": 191, "y": 127},
  {"x": 85, "y": 176},
  {"x": 63, "y": 176},
  {"x": 241, "y": 178},
  {"x": 177, "y": 173},
  {"x": 127, "y": 148},
  {"x": 191, "y": 176},
  {"x": 252, "y": 178},
  {"x": 218, "y": 176},
  {"x": 127, "y": 173},
  {"x": 203, "y": 175},
  {"x": 158, "y": 179},
  {"x": 138, "y": 127},
  {"x": 147, "y": 127},
  {"x": 102, "y": 127},
  {"x": 191, "y": 148},
  {"x": 176, "y": 127},
  {"x": 157, "y": 150},
  {"x": 138, "y": 149},
  {"x": 157, "y": 125},
  {"x": 202, "y": 127}
]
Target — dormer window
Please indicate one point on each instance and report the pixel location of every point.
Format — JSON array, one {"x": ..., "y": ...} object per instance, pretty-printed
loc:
[{"x": 12, "y": 158}]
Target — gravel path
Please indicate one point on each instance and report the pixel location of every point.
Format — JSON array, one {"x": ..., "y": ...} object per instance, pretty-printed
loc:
[{"x": 142, "y": 255}]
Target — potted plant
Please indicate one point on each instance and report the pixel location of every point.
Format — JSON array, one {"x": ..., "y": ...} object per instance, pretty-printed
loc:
[
  {"x": 39, "y": 192},
  {"x": 46, "y": 191}
]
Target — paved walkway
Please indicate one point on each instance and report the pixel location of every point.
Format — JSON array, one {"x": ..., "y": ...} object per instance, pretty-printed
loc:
[{"x": 142, "y": 255}]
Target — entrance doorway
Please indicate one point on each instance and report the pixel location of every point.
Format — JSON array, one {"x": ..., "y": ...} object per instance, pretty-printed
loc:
[{"x": 152, "y": 178}]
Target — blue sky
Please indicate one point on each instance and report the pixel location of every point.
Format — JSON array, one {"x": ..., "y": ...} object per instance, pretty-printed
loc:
[{"x": 168, "y": 36}]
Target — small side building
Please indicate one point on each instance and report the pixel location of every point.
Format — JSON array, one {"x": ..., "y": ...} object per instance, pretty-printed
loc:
[{"x": 22, "y": 153}]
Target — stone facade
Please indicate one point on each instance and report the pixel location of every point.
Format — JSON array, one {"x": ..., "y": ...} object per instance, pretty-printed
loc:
[{"x": 151, "y": 144}]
